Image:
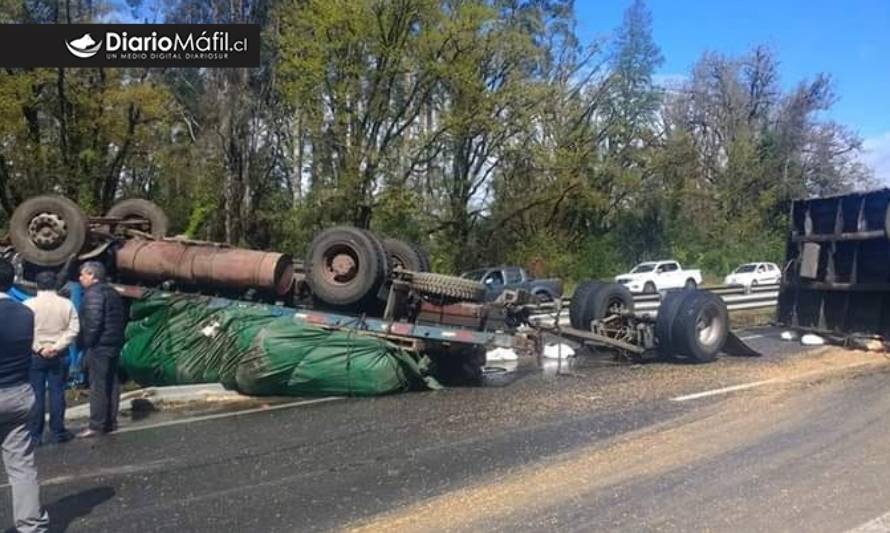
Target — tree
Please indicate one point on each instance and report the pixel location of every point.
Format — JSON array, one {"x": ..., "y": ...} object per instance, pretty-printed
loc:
[
  {"x": 79, "y": 132},
  {"x": 233, "y": 115},
  {"x": 359, "y": 75}
]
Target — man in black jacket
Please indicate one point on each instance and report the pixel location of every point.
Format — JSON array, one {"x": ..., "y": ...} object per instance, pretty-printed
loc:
[
  {"x": 16, "y": 405},
  {"x": 103, "y": 318}
]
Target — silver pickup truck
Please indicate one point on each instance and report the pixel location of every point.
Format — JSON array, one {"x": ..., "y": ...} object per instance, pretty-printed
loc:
[{"x": 500, "y": 278}]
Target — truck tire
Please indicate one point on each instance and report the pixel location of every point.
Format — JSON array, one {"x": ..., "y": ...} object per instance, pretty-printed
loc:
[
  {"x": 579, "y": 300},
  {"x": 381, "y": 252},
  {"x": 605, "y": 300},
  {"x": 690, "y": 285},
  {"x": 649, "y": 288},
  {"x": 47, "y": 230},
  {"x": 664, "y": 322},
  {"x": 158, "y": 223},
  {"x": 424, "y": 257},
  {"x": 378, "y": 305},
  {"x": 544, "y": 296},
  {"x": 345, "y": 266},
  {"x": 406, "y": 256},
  {"x": 449, "y": 286},
  {"x": 700, "y": 327}
]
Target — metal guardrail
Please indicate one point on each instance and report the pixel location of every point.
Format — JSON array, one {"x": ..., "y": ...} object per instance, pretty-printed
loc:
[{"x": 736, "y": 299}]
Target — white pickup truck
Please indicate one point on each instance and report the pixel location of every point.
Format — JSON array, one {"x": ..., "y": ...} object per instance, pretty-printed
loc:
[{"x": 654, "y": 276}]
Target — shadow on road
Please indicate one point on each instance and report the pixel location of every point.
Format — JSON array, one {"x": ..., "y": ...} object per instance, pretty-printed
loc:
[{"x": 64, "y": 511}]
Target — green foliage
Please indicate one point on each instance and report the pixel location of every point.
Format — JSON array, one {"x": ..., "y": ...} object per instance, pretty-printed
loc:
[
  {"x": 481, "y": 129},
  {"x": 398, "y": 214}
]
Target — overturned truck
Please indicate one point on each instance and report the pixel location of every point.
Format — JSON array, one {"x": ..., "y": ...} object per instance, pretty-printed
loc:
[
  {"x": 353, "y": 280},
  {"x": 836, "y": 280}
]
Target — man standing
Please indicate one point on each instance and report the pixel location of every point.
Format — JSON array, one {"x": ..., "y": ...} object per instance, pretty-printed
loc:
[
  {"x": 16, "y": 403},
  {"x": 55, "y": 328},
  {"x": 102, "y": 319}
]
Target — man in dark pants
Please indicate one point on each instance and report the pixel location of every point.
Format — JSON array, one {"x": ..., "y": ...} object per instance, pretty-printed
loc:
[
  {"x": 16, "y": 405},
  {"x": 102, "y": 322},
  {"x": 55, "y": 328}
]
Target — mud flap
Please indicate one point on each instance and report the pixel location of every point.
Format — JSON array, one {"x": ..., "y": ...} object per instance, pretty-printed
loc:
[{"x": 736, "y": 346}]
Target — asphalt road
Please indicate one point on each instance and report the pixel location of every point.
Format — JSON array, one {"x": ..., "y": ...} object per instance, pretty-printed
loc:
[{"x": 800, "y": 441}]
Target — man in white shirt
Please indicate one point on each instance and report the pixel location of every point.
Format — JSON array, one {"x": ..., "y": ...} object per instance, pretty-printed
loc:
[{"x": 55, "y": 328}]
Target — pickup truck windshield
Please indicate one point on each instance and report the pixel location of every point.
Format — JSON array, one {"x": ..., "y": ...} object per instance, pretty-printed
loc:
[
  {"x": 644, "y": 267},
  {"x": 475, "y": 275}
]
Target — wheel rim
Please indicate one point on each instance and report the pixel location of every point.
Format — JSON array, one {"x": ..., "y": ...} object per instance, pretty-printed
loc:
[
  {"x": 341, "y": 265},
  {"x": 397, "y": 262},
  {"x": 709, "y": 327},
  {"x": 616, "y": 306},
  {"x": 649, "y": 288},
  {"x": 47, "y": 230}
]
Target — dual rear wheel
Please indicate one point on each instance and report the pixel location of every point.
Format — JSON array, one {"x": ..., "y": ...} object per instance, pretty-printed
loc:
[
  {"x": 347, "y": 267},
  {"x": 595, "y": 300},
  {"x": 691, "y": 325},
  {"x": 47, "y": 230}
]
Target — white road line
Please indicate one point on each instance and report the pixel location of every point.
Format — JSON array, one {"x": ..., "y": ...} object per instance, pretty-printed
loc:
[
  {"x": 750, "y": 337},
  {"x": 226, "y": 415},
  {"x": 131, "y": 469},
  {"x": 724, "y": 390},
  {"x": 880, "y": 524},
  {"x": 754, "y": 384},
  {"x": 102, "y": 472}
]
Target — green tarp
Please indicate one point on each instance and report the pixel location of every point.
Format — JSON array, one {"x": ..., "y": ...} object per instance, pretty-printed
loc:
[{"x": 258, "y": 350}]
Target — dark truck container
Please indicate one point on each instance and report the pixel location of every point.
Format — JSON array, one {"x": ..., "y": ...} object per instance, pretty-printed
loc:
[
  {"x": 836, "y": 279},
  {"x": 501, "y": 278}
]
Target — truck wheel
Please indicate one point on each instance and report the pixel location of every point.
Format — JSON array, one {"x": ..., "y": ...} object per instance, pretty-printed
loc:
[
  {"x": 345, "y": 266},
  {"x": 690, "y": 285},
  {"x": 47, "y": 230},
  {"x": 377, "y": 306},
  {"x": 606, "y": 300},
  {"x": 543, "y": 296},
  {"x": 136, "y": 208},
  {"x": 579, "y": 300},
  {"x": 700, "y": 327},
  {"x": 649, "y": 288},
  {"x": 424, "y": 257},
  {"x": 450, "y": 286},
  {"x": 664, "y": 321},
  {"x": 406, "y": 256},
  {"x": 381, "y": 252}
]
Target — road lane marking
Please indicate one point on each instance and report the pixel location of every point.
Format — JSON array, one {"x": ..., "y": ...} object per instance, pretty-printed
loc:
[
  {"x": 227, "y": 415},
  {"x": 103, "y": 472},
  {"x": 750, "y": 337},
  {"x": 754, "y": 384},
  {"x": 724, "y": 390},
  {"x": 880, "y": 524},
  {"x": 153, "y": 465}
]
